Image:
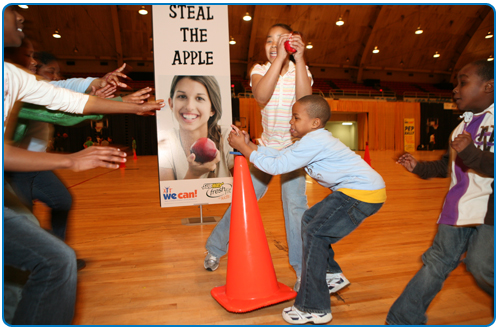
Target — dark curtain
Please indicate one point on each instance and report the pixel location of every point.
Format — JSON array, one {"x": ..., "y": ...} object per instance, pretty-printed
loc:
[
  {"x": 121, "y": 129},
  {"x": 444, "y": 122}
]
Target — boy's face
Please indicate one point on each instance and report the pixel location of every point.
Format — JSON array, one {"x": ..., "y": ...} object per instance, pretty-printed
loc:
[
  {"x": 12, "y": 27},
  {"x": 472, "y": 93},
  {"x": 301, "y": 123}
]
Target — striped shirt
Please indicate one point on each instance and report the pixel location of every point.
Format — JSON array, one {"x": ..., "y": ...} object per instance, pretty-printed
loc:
[{"x": 276, "y": 114}]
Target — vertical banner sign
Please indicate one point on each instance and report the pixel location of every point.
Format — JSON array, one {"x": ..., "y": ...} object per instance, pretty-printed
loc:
[
  {"x": 409, "y": 134},
  {"x": 192, "y": 75}
]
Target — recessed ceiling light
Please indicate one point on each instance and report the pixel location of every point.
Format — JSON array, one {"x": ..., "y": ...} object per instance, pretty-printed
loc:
[
  {"x": 436, "y": 55},
  {"x": 143, "y": 11},
  {"x": 56, "y": 34},
  {"x": 247, "y": 17},
  {"x": 309, "y": 46},
  {"x": 232, "y": 41},
  {"x": 488, "y": 35},
  {"x": 340, "y": 22},
  {"x": 419, "y": 31},
  {"x": 376, "y": 50}
]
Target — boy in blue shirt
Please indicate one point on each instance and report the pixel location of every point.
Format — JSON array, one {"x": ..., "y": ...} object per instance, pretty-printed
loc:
[{"x": 358, "y": 192}]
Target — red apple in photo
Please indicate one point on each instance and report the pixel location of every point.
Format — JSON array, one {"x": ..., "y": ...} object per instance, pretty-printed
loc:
[{"x": 204, "y": 149}]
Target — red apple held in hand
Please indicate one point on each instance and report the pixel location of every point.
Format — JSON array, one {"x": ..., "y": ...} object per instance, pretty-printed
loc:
[
  {"x": 288, "y": 48},
  {"x": 204, "y": 149}
]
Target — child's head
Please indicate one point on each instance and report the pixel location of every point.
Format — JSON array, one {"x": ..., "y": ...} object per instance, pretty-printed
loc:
[
  {"x": 22, "y": 55},
  {"x": 308, "y": 114},
  {"x": 475, "y": 86},
  {"x": 273, "y": 37},
  {"x": 47, "y": 66},
  {"x": 196, "y": 104},
  {"x": 12, "y": 27}
]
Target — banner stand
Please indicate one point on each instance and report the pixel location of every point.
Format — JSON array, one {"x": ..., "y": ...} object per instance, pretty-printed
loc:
[{"x": 200, "y": 220}]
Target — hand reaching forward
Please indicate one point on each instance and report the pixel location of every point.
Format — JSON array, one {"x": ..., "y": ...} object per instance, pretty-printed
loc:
[
  {"x": 94, "y": 157},
  {"x": 138, "y": 97},
  {"x": 107, "y": 92},
  {"x": 408, "y": 161}
]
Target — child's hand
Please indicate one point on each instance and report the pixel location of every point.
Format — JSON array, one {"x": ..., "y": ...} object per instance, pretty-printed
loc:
[
  {"x": 238, "y": 132},
  {"x": 138, "y": 97},
  {"x": 197, "y": 169},
  {"x": 236, "y": 140},
  {"x": 149, "y": 107},
  {"x": 408, "y": 161},
  {"x": 106, "y": 92},
  {"x": 461, "y": 141},
  {"x": 297, "y": 43}
]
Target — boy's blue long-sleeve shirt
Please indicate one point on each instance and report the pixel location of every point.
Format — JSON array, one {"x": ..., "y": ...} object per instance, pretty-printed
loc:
[{"x": 325, "y": 158}]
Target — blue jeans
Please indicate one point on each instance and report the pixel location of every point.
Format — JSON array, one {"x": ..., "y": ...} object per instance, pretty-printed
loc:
[
  {"x": 439, "y": 261},
  {"x": 293, "y": 191},
  {"x": 324, "y": 224},
  {"x": 48, "y": 297},
  {"x": 46, "y": 187}
]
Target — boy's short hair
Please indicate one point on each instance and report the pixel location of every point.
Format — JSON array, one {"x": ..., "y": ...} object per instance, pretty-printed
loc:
[
  {"x": 485, "y": 69},
  {"x": 316, "y": 107}
]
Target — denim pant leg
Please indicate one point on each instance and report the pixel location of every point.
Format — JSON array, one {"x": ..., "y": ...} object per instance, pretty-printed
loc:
[
  {"x": 439, "y": 261},
  {"x": 46, "y": 187},
  {"x": 326, "y": 223},
  {"x": 293, "y": 192},
  {"x": 49, "y": 189},
  {"x": 480, "y": 259},
  {"x": 48, "y": 298},
  {"x": 218, "y": 240}
]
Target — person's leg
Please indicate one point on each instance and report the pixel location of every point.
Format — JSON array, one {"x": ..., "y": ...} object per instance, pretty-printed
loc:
[
  {"x": 22, "y": 184},
  {"x": 50, "y": 190},
  {"x": 218, "y": 240},
  {"x": 293, "y": 192},
  {"x": 480, "y": 259},
  {"x": 49, "y": 296},
  {"x": 439, "y": 261},
  {"x": 323, "y": 224}
]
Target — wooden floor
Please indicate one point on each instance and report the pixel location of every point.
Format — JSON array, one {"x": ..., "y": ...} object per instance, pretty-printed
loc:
[{"x": 146, "y": 268}]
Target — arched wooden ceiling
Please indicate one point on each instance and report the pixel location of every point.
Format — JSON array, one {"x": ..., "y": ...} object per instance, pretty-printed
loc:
[{"x": 118, "y": 33}]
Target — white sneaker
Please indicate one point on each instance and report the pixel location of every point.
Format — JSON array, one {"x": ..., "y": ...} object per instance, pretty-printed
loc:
[
  {"x": 211, "y": 262},
  {"x": 294, "y": 316},
  {"x": 336, "y": 282}
]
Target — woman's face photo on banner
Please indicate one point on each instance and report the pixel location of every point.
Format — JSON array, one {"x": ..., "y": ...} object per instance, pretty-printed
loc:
[{"x": 191, "y": 138}]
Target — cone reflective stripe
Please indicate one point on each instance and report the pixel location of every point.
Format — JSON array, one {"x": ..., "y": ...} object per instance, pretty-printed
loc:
[
  {"x": 367, "y": 155},
  {"x": 250, "y": 280}
]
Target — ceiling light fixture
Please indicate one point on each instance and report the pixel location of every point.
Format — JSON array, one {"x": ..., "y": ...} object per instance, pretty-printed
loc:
[
  {"x": 232, "y": 41},
  {"x": 56, "y": 34},
  {"x": 247, "y": 17},
  {"x": 419, "y": 31},
  {"x": 309, "y": 46},
  {"x": 340, "y": 22},
  {"x": 143, "y": 11},
  {"x": 490, "y": 58},
  {"x": 436, "y": 55},
  {"x": 347, "y": 124},
  {"x": 376, "y": 50},
  {"x": 23, "y": 6},
  {"x": 488, "y": 35}
]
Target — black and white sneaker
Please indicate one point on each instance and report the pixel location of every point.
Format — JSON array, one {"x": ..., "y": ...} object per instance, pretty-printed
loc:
[
  {"x": 336, "y": 282},
  {"x": 296, "y": 317}
]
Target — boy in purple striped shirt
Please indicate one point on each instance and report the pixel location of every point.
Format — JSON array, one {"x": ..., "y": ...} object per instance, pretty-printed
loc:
[{"x": 467, "y": 218}]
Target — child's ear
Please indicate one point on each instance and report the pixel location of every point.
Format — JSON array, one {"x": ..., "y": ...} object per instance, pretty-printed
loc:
[
  {"x": 490, "y": 86},
  {"x": 316, "y": 123}
]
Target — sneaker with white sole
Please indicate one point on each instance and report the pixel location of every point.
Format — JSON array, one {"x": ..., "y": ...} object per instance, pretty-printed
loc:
[
  {"x": 336, "y": 282},
  {"x": 295, "y": 317},
  {"x": 211, "y": 262}
]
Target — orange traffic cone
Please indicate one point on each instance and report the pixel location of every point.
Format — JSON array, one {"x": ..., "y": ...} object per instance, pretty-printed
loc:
[
  {"x": 367, "y": 155},
  {"x": 250, "y": 280},
  {"x": 135, "y": 155},
  {"x": 122, "y": 165}
]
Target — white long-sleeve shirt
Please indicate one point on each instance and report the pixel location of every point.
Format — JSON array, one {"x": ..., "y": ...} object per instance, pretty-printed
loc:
[{"x": 19, "y": 85}]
